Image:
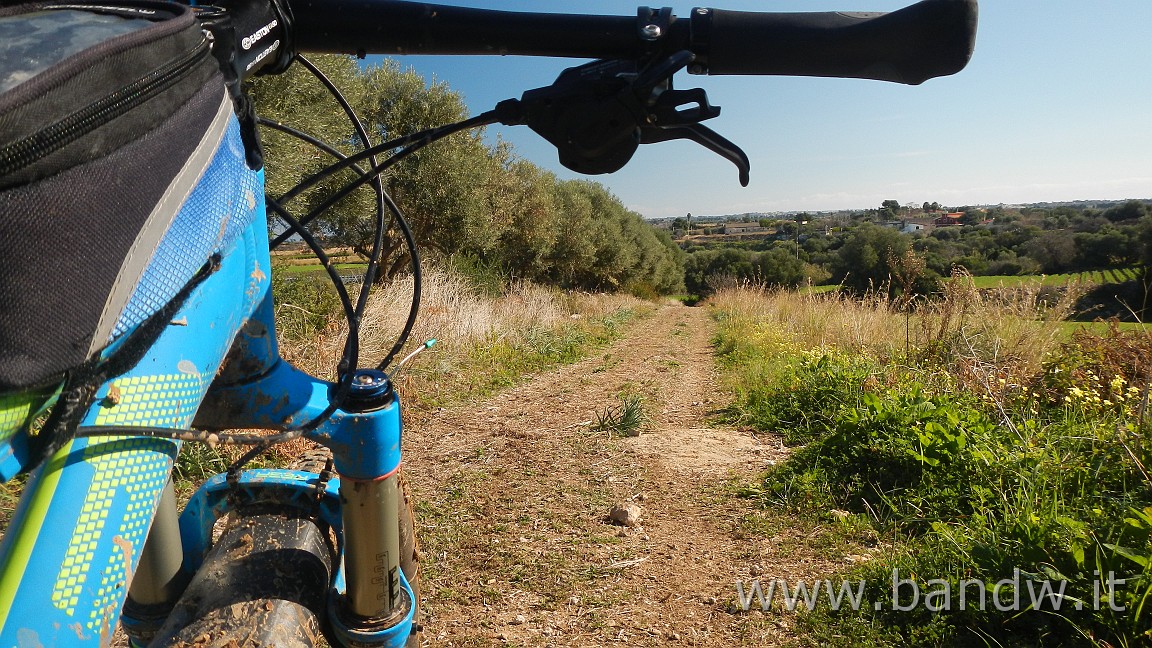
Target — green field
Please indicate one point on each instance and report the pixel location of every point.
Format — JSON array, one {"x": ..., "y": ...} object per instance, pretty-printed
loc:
[
  {"x": 815, "y": 290},
  {"x": 1110, "y": 276},
  {"x": 1101, "y": 328},
  {"x": 1114, "y": 275},
  {"x": 315, "y": 268}
]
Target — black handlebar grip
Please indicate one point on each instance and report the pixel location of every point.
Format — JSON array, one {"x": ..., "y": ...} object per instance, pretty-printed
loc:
[
  {"x": 401, "y": 27},
  {"x": 929, "y": 39}
]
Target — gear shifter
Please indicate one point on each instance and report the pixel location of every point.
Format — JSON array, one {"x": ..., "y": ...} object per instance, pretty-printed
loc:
[{"x": 598, "y": 114}]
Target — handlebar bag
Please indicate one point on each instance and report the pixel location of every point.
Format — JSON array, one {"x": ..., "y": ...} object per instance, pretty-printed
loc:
[{"x": 121, "y": 172}]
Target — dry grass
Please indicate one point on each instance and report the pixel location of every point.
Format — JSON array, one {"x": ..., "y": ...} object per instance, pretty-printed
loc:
[
  {"x": 813, "y": 321},
  {"x": 482, "y": 342},
  {"x": 457, "y": 315},
  {"x": 1014, "y": 327}
]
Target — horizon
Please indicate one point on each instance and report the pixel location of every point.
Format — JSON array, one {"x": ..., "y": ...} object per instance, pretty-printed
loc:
[
  {"x": 918, "y": 206},
  {"x": 1052, "y": 107}
]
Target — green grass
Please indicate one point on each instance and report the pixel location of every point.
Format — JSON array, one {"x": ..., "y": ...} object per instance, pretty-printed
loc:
[
  {"x": 1101, "y": 328},
  {"x": 626, "y": 419},
  {"x": 967, "y": 471},
  {"x": 818, "y": 290},
  {"x": 295, "y": 256},
  {"x": 1111, "y": 276}
]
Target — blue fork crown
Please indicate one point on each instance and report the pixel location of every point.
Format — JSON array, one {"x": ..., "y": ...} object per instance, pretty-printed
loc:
[{"x": 257, "y": 389}]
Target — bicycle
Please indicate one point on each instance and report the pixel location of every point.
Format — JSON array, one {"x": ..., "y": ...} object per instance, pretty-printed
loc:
[{"x": 182, "y": 345}]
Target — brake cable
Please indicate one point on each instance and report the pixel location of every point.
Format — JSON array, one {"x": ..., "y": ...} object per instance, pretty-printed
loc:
[
  {"x": 353, "y": 313},
  {"x": 596, "y": 115}
]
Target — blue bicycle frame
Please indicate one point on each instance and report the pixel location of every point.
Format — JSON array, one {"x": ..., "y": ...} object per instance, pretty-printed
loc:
[{"x": 75, "y": 542}]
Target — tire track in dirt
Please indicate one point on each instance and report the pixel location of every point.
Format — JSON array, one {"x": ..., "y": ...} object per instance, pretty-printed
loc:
[{"x": 513, "y": 496}]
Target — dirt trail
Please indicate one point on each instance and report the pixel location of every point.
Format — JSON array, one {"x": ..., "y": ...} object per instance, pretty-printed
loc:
[{"x": 514, "y": 496}]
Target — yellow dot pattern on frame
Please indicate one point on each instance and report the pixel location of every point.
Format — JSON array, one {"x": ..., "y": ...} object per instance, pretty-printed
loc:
[
  {"x": 131, "y": 466},
  {"x": 15, "y": 409},
  {"x": 155, "y": 401}
]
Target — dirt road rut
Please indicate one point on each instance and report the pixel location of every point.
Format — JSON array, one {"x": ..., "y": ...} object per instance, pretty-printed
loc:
[{"x": 514, "y": 496}]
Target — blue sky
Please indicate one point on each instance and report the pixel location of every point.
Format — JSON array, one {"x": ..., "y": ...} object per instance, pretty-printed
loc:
[{"x": 1056, "y": 105}]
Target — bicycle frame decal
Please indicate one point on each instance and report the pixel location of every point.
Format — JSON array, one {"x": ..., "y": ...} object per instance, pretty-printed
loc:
[
  {"x": 138, "y": 396},
  {"x": 17, "y": 411},
  {"x": 142, "y": 465}
]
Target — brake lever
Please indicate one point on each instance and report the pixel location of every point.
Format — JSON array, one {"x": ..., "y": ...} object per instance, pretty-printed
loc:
[
  {"x": 705, "y": 137},
  {"x": 667, "y": 121}
]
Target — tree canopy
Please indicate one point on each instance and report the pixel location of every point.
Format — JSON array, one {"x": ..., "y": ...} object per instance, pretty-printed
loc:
[{"x": 462, "y": 196}]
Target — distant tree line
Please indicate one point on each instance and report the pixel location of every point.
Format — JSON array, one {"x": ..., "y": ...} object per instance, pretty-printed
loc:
[
  {"x": 862, "y": 254},
  {"x": 464, "y": 198}
]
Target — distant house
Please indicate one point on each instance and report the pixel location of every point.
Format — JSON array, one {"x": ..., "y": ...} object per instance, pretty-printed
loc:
[
  {"x": 743, "y": 228},
  {"x": 904, "y": 226},
  {"x": 948, "y": 220}
]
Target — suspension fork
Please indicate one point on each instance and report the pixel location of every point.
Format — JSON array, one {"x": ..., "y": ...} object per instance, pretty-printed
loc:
[
  {"x": 368, "y": 460},
  {"x": 372, "y": 548},
  {"x": 160, "y": 578},
  {"x": 257, "y": 389}
]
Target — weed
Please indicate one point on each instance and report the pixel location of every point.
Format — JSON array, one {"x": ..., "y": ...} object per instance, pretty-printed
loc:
[
  {"x": 9, "y": 495},
  {"x": 307, "y": 304},
  {"x": 626, "y": 419},
  {"x": 199, "y": 461}
]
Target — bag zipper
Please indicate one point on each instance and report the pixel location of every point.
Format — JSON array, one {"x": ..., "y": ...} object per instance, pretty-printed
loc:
[{"x": 45, "y": 141}]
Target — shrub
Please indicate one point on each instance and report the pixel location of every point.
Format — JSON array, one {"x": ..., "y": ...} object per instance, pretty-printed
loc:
[
  {"x": 979, "y": 459},
  {"x": 899, "y": 455}
]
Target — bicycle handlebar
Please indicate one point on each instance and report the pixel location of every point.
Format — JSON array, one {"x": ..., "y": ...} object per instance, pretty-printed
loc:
[
  {"x": 929, "y": 39},
  {"x": 397, "y": 27},
  {"x": 598, "y": 114}
]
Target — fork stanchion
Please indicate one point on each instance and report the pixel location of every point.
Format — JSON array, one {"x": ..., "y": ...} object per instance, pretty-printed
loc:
[
  {"x": 159, "y": 580},
  {"x": 372, "y": 547},
  {"x": 366, "y": 453}
]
